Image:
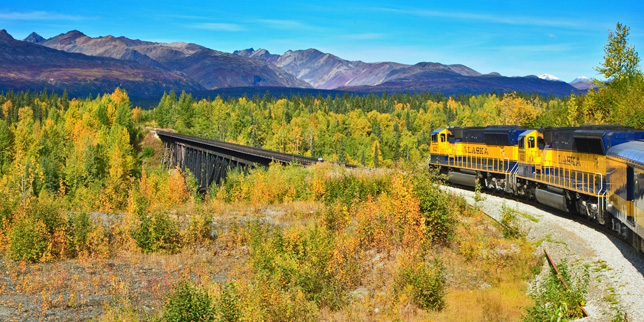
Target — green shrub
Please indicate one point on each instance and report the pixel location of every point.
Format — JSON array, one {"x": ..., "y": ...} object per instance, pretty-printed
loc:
[
  {"x": 427, "y": 283},
  {"x": 47, "y": 209},
  {"x": 189, "y": 303},
  {"x": 227, "y": 305},
  {"x": 434, "y": 206},
  {"x": 28, "y": 240},
  {"x": 300, "y": 260},
  {"x": 79, "y": 228},
  {"x": 552, "y": 302},
  {"x": 156, "y": 232},
  {"x": 350, "y": 188},
  {"x": 508, "y": 223}
]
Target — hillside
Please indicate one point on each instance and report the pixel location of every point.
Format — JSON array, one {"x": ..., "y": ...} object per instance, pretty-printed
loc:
[
  {"x": 27, "y": 66},
  {"x": 327, "y": 71},
  {"x": 210, "y": 68},
  {"x": 147, "y": 69}
]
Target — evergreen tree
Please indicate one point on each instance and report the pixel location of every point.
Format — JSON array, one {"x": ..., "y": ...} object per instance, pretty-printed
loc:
[
  {"x": 376, "y": 154},
  {"x": 396, "y": 156},
  {"x": 342, "y": 156}
]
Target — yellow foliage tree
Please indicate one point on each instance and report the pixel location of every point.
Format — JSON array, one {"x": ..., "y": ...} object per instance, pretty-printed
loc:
[{"x": 517, "y": 111}]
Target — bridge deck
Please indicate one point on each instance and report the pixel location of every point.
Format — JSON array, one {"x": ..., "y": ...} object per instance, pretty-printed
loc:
[{"x": 241, "y": 153}]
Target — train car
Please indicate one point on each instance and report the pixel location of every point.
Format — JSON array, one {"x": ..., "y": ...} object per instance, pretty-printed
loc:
[
  {"x": 626, "y": 191},
  {"x": 477, "y": 155},
  {"x": 594, "y": 171},
  {"x": 565, "y": 167}
]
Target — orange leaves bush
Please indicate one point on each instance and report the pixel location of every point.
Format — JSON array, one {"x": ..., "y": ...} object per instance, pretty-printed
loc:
[{"x": 394, "y": 219}]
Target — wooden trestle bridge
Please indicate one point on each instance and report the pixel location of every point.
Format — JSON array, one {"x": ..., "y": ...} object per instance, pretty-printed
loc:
[{"x": 210, "y": 160}]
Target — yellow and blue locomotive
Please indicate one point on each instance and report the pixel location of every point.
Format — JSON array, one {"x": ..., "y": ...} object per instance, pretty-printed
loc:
[{"x": 595, "y": 171}]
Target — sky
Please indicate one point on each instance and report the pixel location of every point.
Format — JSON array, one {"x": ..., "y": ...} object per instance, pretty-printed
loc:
[{"x": 514, "y": 38}]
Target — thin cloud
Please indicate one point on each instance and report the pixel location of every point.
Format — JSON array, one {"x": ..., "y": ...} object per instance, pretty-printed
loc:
[
  {"x": 218, "y": 26},
  {"x": 185, "y": 17},
  {"x": 557, "y": 48},
  {"x": 366, "y": 36},
  {"x": 39, "y": 15},
  {"x": 286, "y": 24},
  {"x": 516, "y": 20}
]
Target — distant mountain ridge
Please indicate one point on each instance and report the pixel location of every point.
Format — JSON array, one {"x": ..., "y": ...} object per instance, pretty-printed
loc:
[
  {"x": 327, "y": 71},
  {"x": 28, "y": 66},
  {"x": 84, "y": 64},
  {"x": 549, "y": 77},
  {"x": 583, "y": 83},
  {"x": 210, "y": 68}
]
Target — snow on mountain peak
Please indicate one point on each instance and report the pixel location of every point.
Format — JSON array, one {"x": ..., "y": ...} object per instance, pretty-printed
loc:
[
  {"x": 548, "y": 77},
  {"x": 581, "y": 79}
]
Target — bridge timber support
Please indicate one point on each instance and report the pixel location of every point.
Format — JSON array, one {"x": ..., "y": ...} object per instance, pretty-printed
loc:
[{"x": 210, "y": 161}]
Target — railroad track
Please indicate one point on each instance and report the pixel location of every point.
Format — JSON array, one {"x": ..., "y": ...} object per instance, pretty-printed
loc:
[
  {"x": 616, "y": 268},
  {"x": 557, "y": 212}
]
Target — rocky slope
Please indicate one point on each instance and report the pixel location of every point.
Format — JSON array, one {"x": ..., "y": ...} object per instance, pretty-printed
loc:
[
  {"x": 582, "y": 83},
  {"x": 326, "y": 71},
  {"x": 450, "y": 83},
  {"x": 210, "y": 68},
  {"x": 28, "y": 66}
]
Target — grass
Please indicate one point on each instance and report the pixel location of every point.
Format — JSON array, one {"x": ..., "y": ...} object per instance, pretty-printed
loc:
[
  {"x": 528, "y": 217},
  {"x": 548, "y": 238}
]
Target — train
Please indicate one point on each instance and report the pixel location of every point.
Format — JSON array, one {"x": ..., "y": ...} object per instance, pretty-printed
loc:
[{"x": 594, "y": 171}]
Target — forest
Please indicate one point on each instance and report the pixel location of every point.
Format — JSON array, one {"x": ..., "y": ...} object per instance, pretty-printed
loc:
[{"x": 81, "y": 182}]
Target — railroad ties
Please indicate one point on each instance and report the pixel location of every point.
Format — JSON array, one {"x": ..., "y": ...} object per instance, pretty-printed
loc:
[{"x": 210, "y": 160}]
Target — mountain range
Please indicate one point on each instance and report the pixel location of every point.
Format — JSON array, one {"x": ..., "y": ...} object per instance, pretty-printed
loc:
[
  {"x": 29, "y": 66},
  {"x": 84, "y": 65},
  {"x": 327, "y": 71}
]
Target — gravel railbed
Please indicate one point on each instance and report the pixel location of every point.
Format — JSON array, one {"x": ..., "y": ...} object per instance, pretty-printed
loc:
[{"x": 616, "y": 269}]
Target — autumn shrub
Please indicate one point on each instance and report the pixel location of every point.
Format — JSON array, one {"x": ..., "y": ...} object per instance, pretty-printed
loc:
[
  {"x": 308, "y": 260},
  {"x": 189, "y": 303},
  {"x": 265, "y": 299},
  {"x": 200, "y": 230},
  {"x": 391, "y": 220},
  {"x": 47, "y": 209},
  {"x": 348, "y": 188},
  {"x": 162, "y": 189},
  {"x": 156, "y": 232},
  {"x": 509, "y": 223},
  {"x": 335, "y": 217},
  {"x": 80, "y": 226},
  {"x": 39, "y": 229},
  {"x": 435, "y": 206},
  {"x": 227, "y": 305},
  {"x": 28, "y": 240},
  {"x": 261, "y": 186},
  {"x": 424, "y": 283},
  {"x": 98, "y": 242}
]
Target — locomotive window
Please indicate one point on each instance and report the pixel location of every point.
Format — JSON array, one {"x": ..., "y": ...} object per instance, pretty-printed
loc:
[
  {"x": 541, "y": 143},
  {"x": 443, "y": 137},
  {"x": 522, "y": 143},
  {"x": 530, "y": 142},
  {"x": 435, "y": 138}
]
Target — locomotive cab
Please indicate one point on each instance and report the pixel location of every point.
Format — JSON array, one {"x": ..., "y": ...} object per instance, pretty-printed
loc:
[
  {"x": 440, "y": 146},
  {"x": 531, "y": 145}
]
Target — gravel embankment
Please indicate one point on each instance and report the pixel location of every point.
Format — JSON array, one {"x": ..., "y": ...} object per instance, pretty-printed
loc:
[{"x": 616, "y": 269}]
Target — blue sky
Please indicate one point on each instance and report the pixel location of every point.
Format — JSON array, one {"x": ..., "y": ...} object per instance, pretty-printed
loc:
[{"x": 514, "y": 38}]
